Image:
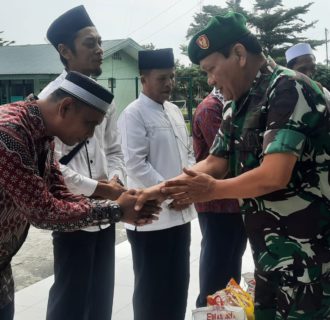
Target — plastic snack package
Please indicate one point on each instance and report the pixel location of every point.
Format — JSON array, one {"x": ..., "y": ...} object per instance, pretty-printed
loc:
[
  {"x": 219, "y": 313},
  {"x": 250, "y": 283},
  {"x": 233, "y": 295}
]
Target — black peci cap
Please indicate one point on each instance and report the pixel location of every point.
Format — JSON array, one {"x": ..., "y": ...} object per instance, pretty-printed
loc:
[
  {"x": 66, "y": 25},
  {"x": 87, "y": 90},
  {"x": 156, "y": 59}
]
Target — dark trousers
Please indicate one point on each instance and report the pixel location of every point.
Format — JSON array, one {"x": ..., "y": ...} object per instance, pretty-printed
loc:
[
  {"x": 84, "y": 275},
  {"x": 7, "y": 313},
  {"x": 223, "y": 245},
  {"x": 161, "y": 270}
]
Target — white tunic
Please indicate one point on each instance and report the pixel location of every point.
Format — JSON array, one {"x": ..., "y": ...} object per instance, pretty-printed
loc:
[
  {"x": 156, "y": 147},
  {"x": 104, "y": 153}
]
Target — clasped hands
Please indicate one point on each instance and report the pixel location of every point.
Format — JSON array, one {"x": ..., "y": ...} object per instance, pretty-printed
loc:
[
  {"x": 185, "y": 189},
  {"x": 114, "y": 189},
  {"x": 142, "y": 207}
]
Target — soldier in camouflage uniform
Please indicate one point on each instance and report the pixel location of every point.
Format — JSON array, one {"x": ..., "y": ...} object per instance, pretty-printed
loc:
[
  {"x": 289, "y": 228},
  {"x": 275, "y": 141}
]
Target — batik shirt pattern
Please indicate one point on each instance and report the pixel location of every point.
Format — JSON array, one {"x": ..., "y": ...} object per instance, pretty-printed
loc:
[
  {"x": 28, "y": 195},
  {"x": 284, "y": 112},
  {"x": 206, "y": 122}
]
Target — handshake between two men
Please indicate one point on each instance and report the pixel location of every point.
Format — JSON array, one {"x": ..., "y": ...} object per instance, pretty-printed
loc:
[
  {"x": 185, "y": 189},
  {"x": 141, "y": 207}
]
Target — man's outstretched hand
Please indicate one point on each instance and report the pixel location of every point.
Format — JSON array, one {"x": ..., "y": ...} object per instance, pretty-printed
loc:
[
  {"x": 152, "y": 193},
  {"x": 193, "y": 187}
]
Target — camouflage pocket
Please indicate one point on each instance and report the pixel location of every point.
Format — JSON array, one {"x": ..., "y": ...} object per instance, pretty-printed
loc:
[{"x": 250, "y": 148}]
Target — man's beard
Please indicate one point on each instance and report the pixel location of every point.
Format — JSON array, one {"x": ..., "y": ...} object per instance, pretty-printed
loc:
[{"x": 97, "y": 72}]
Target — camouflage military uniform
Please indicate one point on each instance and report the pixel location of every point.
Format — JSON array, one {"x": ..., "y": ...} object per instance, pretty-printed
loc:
[{"x": 289, "y": 230}]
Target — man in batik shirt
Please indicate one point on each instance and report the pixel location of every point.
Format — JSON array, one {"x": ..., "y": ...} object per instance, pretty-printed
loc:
[
  {"x": 275, "y": 140},
  {"x": 32, "y": 189}
]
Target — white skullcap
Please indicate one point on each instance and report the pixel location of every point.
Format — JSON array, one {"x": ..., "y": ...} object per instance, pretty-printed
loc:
[{"x": 298, "y": 50}]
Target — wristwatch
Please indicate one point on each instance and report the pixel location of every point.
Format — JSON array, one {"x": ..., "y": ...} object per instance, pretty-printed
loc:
[{"x": 116, "y": 213}]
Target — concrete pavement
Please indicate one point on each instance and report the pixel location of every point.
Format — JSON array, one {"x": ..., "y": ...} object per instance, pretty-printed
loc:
[{"x": 31, "y": 301}]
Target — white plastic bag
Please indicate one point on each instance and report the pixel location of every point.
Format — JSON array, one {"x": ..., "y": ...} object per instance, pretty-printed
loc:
[{"x": 219, "y": 313}]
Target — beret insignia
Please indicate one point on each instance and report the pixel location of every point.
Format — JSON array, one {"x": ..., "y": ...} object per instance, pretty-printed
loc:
[{"x": 203, "y": 42}]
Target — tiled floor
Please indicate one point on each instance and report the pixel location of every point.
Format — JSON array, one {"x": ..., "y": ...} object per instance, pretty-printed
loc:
[{"x": 31, "y": 301}]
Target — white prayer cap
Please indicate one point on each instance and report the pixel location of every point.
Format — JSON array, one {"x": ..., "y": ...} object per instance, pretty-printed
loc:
[
  {"x": 298, "y": 50},
  {"x": 87, "y": 90}
]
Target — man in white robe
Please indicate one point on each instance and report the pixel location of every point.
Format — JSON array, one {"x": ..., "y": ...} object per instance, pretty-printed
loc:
[{"x": 156, "y": 147}]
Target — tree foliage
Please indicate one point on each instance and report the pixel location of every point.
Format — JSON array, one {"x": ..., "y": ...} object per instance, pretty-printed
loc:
[
  {"x": 322, "y": 75},
  {"x": 5, "y": 42},
  {"x": 276, "y": 27},
  {"x": 186, "y": 76},
  {"x": 202, "y": 18}
]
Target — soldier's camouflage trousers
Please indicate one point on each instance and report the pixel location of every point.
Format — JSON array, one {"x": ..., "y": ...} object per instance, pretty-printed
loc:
[{"x": 292, "y": 295}]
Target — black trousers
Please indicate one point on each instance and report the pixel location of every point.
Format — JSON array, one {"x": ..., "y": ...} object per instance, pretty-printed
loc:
[
  {"x": 223, "y": 245},
  {"x": 84, "y": 275},
  {"x": 161, "y": 269},
  {"x": 7, "y": 313}
]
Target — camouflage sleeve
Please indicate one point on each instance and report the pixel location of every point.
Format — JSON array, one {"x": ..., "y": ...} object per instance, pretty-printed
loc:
[
  {"x": 291, "y": 114},
  {"x": 221, "y": 143}
]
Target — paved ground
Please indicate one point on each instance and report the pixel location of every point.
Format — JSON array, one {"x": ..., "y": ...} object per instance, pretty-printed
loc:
[
  {"x": 34, "y": 261},
  {"x": 31, "y": 302}
]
